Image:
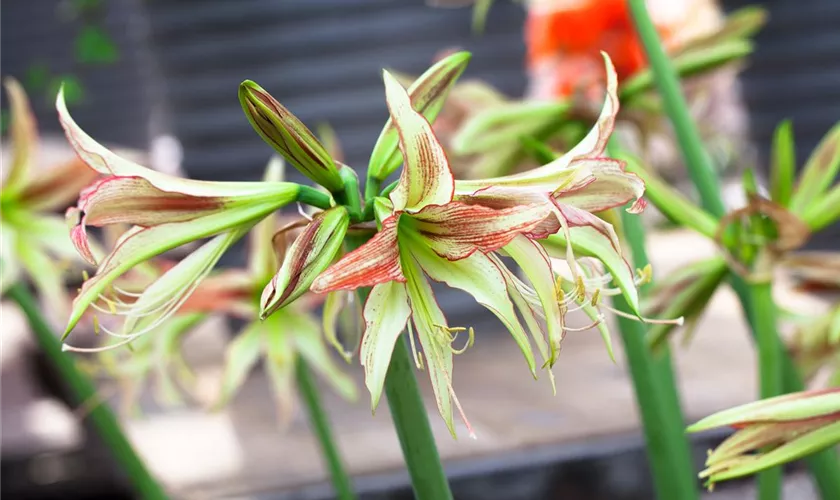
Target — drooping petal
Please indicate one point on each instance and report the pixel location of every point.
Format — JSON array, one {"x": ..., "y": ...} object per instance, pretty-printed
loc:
[
  {"x": 481, "y": 278},
  {"x": 313, "y": 250},
  {"x": 430, "y": 324},
  {"x": 535, "y": 263},
  {"x": 386, "y": 314},
  {"x": 428, "y": 94},
  {"x": 57, "y": 187},
  {"x": 342, "y": 317},
  {"x": 240, "y": 357},
  {"x": 288, "y": 136},
  {"x": 309, "y": 343},
  {"x": 377, "y": 261},
  {"x": 456, "y": 230},
  {"x": 166, "y": 294},
  {"x": 24, "y": 135},
  {"x": 426, "y": 178},
  {"x": 140, "y": 244},
  {"x": 106, "y": 162}
]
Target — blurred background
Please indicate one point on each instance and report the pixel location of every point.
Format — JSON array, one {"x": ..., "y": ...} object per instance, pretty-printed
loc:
[{"x": 161, "y": 76}]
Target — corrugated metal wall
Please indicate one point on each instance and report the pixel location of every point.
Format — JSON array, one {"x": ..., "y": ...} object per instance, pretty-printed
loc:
[
  {"x": 118, "y": 98},
  {"x": 320, "y": 58}
]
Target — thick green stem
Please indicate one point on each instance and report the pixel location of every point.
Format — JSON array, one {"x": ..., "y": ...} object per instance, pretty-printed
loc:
[
  {"x": 321, "y": 426},
  {"x": 411, "y": 421},
  {"x": 824, "y": 465},
  {"x": 103, "y": 419},
  {"x": 770, "y": 373},
  {"x": 314, "y": 197},
  {"x": 656, "y": 391},
  {"x": 694, "y": 153}
]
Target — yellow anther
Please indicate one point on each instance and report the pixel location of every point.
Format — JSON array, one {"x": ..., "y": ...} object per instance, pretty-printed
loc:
[
  {"x": 645, "y": 275},
  {"x": 96, "y": 328},
  {"x": 595, "y": 297},
  {"x": 85, "y": 275}
]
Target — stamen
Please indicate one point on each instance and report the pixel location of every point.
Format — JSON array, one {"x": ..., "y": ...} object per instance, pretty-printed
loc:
[
  {"x": 651, "y": 321},
  {"x": 418, "y": 361},
  {"x": 595, "y": 296},
  {"x": 85, "y": 275},
  {"x": 303, "y": 213},
  {"x": 96, "y": 324}
]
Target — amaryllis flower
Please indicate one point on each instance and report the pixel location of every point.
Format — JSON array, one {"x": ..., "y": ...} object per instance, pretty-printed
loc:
[
  {"x": 165, "y": 212},
  {"x": 283, "y": 339},
  {"x": 34, "y": 239},
  {"x": 772, "y": 432},
  {"x": 434, "y": 228}
]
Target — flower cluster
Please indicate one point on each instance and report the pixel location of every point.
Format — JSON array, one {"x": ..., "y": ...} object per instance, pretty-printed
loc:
[{"x": 426, "y": 227}]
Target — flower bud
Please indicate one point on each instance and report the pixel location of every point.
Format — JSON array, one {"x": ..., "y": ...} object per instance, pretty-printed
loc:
[
  {"x": 312, "y": 252},
  {"x": 288, "y": 136}
]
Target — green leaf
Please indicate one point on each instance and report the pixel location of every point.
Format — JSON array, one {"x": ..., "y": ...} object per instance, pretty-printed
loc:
[
  {"x": 94, "y": 46},
  {"x": 819, "y": 172},
  {"x": 492, "y": 128},
  {"x": 537, "y": 149},
  {"x": 782, "y": 164},
  {"x": 687, "y": 64}
]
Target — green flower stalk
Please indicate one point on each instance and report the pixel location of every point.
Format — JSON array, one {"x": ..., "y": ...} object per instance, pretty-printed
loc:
[
  {"x": 772, "y": 432},
  {"x": 33, "y": 239}
]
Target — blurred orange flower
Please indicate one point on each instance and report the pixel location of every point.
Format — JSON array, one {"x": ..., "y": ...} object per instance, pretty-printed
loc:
[{"x": 564, "y": 39}]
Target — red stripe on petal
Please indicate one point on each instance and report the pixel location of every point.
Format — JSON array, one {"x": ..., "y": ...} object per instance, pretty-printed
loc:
[
  {"x": 78, "y": 235},
  {"x": 134, "y": 200},
  {"x": 375, "y": 262},
  {"x": 456, "y": 230},
  {"x": 603, "y": 185}
]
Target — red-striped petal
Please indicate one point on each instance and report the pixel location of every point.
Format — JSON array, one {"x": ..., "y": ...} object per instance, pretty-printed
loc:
[
  {"x": 456, "y": 230},
  {"x": 375, "y": 262}
]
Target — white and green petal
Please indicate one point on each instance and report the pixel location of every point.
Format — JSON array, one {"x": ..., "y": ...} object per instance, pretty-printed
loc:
[
  {"x": 386, "y": 314},
  {"x": 140, "y": 244},
  {"x": 428, "y": 94},
  {"x": 426, "y": 177}
]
